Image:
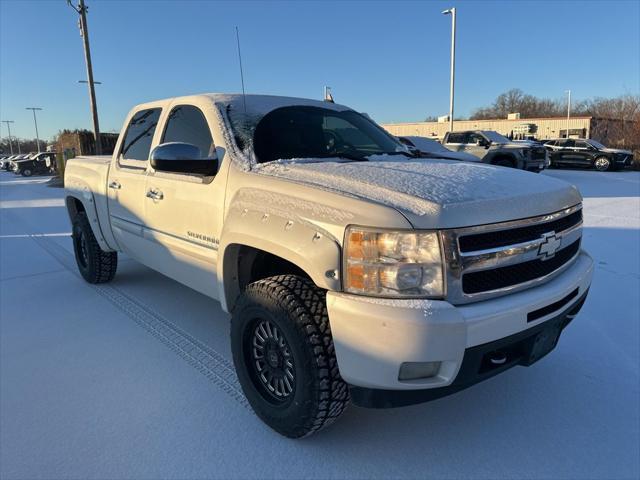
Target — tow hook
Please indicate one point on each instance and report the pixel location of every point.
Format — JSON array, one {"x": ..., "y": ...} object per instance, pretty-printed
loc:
[{"x": 497, "y": 358}]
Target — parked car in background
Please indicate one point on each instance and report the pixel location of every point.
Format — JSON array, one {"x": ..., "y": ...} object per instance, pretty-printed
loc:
[
  {"x": 351, "y": 271},
  {"x": 6, "y": 164},
  {"x": 430, "y": 148},
  {"x": 14, "y": 162},
  {"x": 587, "y": 153},
  {"x": 36, "y": 164},
  {"x": 495, "y": 149}
]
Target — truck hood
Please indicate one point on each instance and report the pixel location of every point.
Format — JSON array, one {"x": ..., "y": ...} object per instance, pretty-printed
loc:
[
  {"x": 434, "y": 193},
  {"x": 616, "y": 150}
]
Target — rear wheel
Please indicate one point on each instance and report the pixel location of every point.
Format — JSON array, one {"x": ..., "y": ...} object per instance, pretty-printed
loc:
[
  {"x": 602, "y": 164},
  {"x": 94, "y": 264},
  {"x": 26, "y": 172},
  {"x": 284, "y": 355}
]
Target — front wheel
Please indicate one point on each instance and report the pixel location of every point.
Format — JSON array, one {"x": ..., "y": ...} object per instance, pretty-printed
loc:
[
  {"x": 602, "y": 164},
  {"x": 504, "y": 162},
  {"x": 95, "y": 265},
  {"x": 284, "y": 355}
]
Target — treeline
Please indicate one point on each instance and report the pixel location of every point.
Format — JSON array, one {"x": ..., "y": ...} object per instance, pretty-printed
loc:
[
  {"x": 21, "y": 145},
  {"x": 623, "y": 108}
]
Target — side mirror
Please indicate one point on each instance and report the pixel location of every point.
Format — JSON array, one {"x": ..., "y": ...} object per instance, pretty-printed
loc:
[
  {"x": 481, "y": 142},
  {"x": 179, "y": 157}
]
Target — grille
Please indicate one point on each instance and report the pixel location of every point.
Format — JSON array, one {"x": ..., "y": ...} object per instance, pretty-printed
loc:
[
  {"x": 487, "y": 280},
  {"x": 502, "y": 238}
]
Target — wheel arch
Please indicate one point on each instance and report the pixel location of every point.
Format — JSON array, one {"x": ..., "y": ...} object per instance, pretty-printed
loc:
[
  {"x": 505, "y": 156},
  {"x": 75, "y": 206},
  {"x": 245, "y": 258}
]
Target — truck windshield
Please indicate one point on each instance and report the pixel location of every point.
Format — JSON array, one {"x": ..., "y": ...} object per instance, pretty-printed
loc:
[
  {"x": 318, "y": 133},
  {"x": 495, "y": 137}
]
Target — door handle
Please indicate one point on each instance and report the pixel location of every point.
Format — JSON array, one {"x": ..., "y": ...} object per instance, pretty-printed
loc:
[
  {"x": 115, "y": 185},
  {"x": 155, "y": 194}
]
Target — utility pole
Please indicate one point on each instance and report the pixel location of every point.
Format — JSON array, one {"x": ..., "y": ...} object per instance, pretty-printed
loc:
[
  {"x": 568, "y": 110},
  {"x": 81, "y": 9},
  {"x": 9, "y": 122},
  {"x": 33, "y": 109},
  {"x": 452, "y": 12}
]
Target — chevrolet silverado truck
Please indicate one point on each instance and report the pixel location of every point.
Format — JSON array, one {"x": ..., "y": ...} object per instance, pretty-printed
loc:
[
  {"x": 351, "y": 271},
  {"x": 495, "y": 149}
]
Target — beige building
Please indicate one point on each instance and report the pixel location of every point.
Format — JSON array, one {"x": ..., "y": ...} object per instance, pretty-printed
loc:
[{"x": 518, "y": 128}]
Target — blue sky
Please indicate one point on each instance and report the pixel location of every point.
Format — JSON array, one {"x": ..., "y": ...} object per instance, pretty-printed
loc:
[{"x": 389, "y": 59}]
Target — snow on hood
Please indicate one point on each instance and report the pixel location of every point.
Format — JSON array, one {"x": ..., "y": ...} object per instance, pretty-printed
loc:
[{"x": 434, "y": 193}]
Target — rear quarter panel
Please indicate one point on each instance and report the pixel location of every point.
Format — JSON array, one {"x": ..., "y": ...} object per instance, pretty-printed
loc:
[{"x": 85, "y": 179}]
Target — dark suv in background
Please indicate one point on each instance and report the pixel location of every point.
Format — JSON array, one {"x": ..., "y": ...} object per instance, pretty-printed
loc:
[{"x": 587, "y": 153}]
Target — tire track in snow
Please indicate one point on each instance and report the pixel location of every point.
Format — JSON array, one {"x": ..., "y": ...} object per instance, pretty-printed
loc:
[{"x": 203, "y": 358}]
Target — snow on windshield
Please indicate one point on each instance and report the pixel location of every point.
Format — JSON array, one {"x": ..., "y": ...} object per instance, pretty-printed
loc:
[
  {"x": 495, "y": 136},
  {"x": 427, "y": 145}
]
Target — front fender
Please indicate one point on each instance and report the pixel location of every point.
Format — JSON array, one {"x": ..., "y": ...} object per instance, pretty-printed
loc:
[{"x": 309, "y": 247}]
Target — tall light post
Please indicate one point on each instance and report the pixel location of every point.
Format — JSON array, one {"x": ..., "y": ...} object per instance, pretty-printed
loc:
[
  {"x": 9, "y": 122},
  {"x": 568, "y": 109},
  {"x": 452, "y": 12},
  {"x": 81, "y": 10},
  {"x": 33, "y": 109}
]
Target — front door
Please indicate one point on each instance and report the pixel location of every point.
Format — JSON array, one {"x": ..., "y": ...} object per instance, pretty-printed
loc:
[
  {"x": 184, "y": 210},
  {"x": 583, "y": 152},
  {"x": 127, "y": 181},
  {"x": 476, "y": 145}
]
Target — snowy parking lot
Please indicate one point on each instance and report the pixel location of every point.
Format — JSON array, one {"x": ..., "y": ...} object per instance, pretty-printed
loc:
[{"x": 134, "y": 379}]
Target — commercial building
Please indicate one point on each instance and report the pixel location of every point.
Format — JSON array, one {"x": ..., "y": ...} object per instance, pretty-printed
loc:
[{"x": 518, "y": 128}]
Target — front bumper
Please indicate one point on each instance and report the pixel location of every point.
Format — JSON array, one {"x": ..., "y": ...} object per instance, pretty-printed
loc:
[
  {"x": 373, "y": 337},
  {"x": 624, "y": 160}
]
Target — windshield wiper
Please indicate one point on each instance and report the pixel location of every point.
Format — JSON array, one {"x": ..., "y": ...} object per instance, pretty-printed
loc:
[
  {"x": 406, "y": 154},
  {"x": 346, "y": 156}
]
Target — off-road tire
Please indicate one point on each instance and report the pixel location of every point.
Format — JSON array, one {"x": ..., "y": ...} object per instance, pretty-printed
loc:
[
  {"x": 94, "y": 264},
  {"x": 298, "y": 309},
  {"x": 603, "y": 164}
]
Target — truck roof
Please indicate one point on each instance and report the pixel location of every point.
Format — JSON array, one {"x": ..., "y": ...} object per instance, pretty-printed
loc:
[{"x": 255, "y": 104}]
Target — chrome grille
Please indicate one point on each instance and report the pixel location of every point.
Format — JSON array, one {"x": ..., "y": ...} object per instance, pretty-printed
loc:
[{"x": 492, "y": 260}]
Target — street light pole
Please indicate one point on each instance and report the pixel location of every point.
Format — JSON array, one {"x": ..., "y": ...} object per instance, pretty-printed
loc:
[
  {"x": 33, "y": 109},
  {"x": 452, "y": 12},
  {"x": 81, "y": 9},
  {"x": 568, "y": 110},
  {"x": 9, "y": 122}
]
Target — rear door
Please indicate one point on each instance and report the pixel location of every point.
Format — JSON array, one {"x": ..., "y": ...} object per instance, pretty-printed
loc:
[
  {"x": 127, "y": 181},
  {"x": 184, "y": 210},
  {"x": 564, "y": 152}
]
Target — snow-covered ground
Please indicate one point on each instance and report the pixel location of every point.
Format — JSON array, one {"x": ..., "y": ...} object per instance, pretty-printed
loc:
[{"x": 134, "y": 380}]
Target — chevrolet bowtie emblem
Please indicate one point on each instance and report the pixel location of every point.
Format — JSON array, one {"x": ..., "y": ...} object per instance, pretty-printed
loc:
[{"x": 549, "y": 246}]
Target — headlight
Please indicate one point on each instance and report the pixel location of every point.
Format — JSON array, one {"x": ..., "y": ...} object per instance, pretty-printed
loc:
[
  {"x": 526, "y": 152},
  {"x": 392, "y": 263}
]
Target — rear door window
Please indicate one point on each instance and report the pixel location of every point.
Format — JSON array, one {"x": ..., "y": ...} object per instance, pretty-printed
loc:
[{"x": 137, "y": 141}]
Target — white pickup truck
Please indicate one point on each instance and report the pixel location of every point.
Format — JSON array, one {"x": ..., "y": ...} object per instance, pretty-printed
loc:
[{"x": 352, "y": 271}]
